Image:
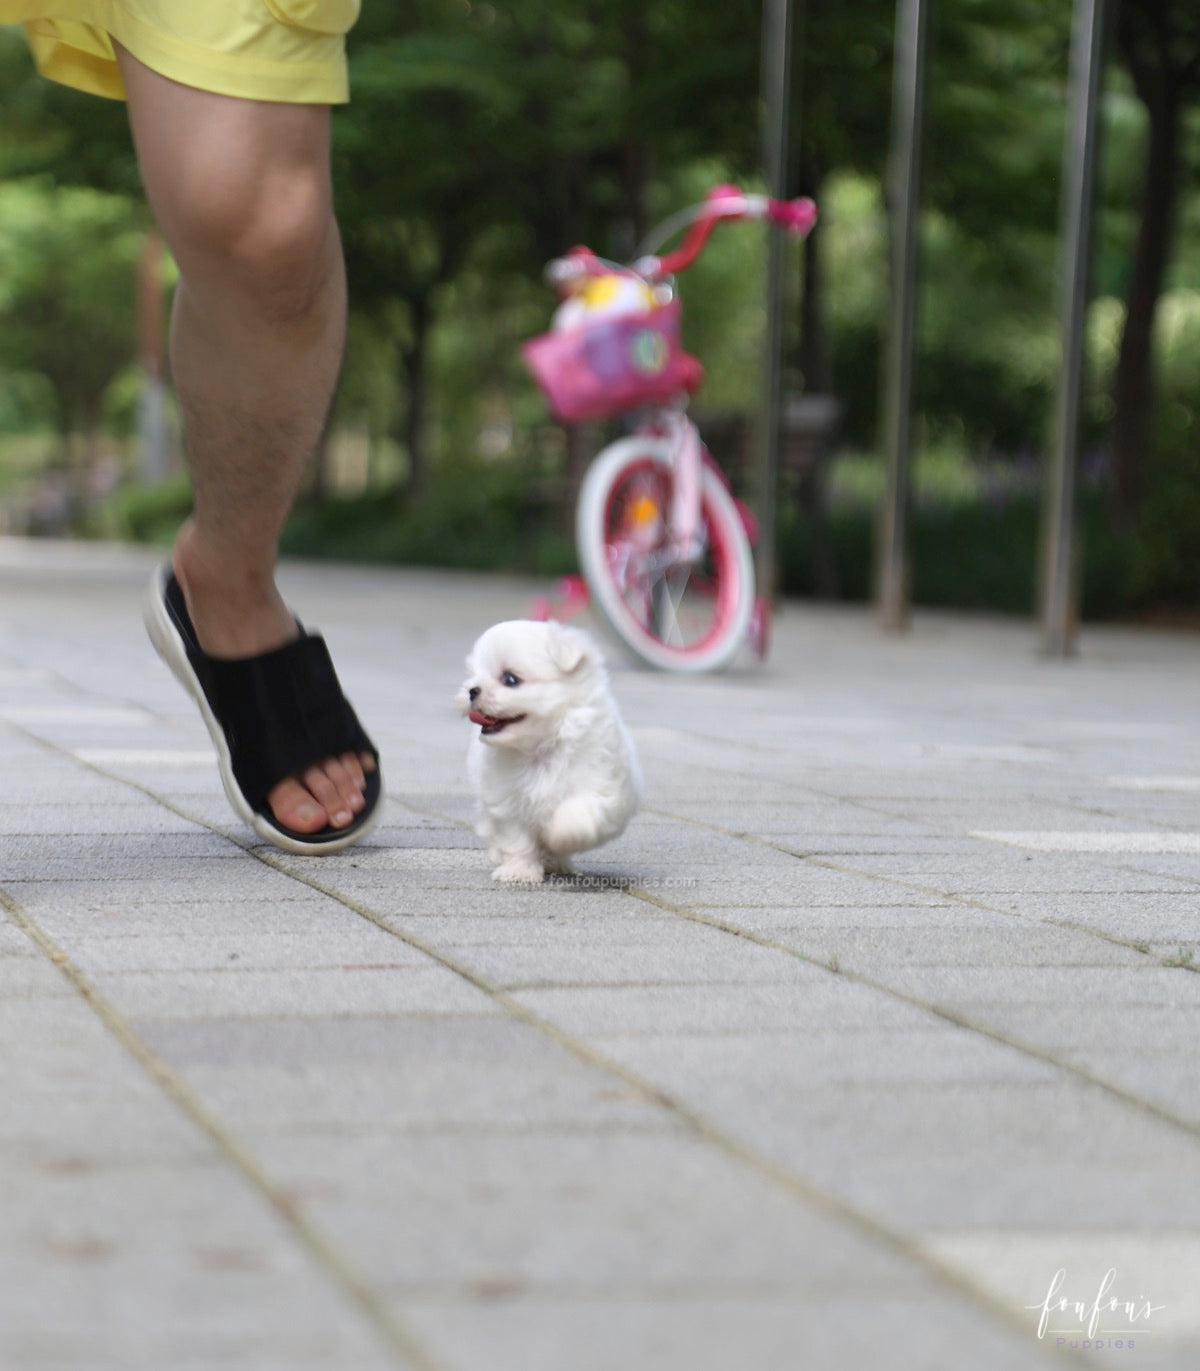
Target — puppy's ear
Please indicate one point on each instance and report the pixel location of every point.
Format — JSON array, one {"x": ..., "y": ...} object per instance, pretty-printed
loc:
[{"x": 569, "y": 648}]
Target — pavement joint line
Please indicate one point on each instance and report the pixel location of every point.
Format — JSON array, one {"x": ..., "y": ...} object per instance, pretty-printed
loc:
[
  {"x": 814, "y": 859},
  {"x": 910, "y": 1248},
  {"x": 327, "y": 1257},
  {"x": 824, "y": 861},
  {"x": 971, "y": 902},
  {"x": 695, "y": 1122},
  {"x": 691, "y": 1119},
  {"x": 877, "y": 806},
  {"x": 943, "y": 1012},
  {"x": 1101, "y": 812},
  {"x": 1132, "y": 944}
]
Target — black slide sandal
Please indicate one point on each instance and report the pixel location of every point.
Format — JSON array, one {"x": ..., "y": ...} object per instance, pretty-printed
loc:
[{"x": 269, "y": 717}]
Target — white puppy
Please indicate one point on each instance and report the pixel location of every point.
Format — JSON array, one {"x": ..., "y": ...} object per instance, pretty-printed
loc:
[{"x": 552, "y": 765}]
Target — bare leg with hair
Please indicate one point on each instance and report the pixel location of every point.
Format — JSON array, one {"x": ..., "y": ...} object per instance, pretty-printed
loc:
[{"x": 241, "y": 193}]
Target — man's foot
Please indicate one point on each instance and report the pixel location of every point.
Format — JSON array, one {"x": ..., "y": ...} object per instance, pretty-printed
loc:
[{"x": 243, "y": 618}]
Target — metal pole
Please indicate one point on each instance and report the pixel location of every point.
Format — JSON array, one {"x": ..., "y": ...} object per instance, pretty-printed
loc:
[
  {"x": 908, "y": 83},
  {"x": 1060, "y": 609},
  {"x": 776, "y": 86}
]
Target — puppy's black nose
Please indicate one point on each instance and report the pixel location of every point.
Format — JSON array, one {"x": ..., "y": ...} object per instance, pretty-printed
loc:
[{"x": 473, "y": 694}]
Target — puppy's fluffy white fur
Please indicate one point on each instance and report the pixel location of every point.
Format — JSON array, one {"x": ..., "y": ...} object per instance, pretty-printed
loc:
[{"x": 552, "y": 764}]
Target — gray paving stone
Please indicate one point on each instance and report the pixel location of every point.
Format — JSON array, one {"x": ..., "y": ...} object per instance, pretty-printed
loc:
[
  {"x": 402, "y": 1073},
  {"x": 810, "y": 1001},
  {"x": 1017, "y": 943},
  {"x": 95, "y": 915},
  {"x": 792, "y": 1065},
  {"x": 1169, "y": 915},
  {"x": 1059, "y": 1027},
  {"x": 197, "y": 950},
  {"x": 171, "y": 877},
  {"x": 583, "y": 923},
  {"x": 680, "y": 954},
  {"x": 139, "y": 1263},
  {"x": 13, "y": 941},
  {"x": 154, "y": 849},
  {"x": 56, "y": 819},
  {"x": 27, "y": 976},
  {"x": 1167, "y": 1078},
  {"x": 822, "y": 919},
  {"x": 715, "y": 1330},
  {"x": 271, "y": 1128},
  {"x": 1145, "y": 983},
  {"x": 1041, "y": 1193},
  {"x": 625, "y": 1215},
  {"x": 858, "y": 1125},
  {"x": 407, "y": 984},
  {"x": 475, "y": 896}
]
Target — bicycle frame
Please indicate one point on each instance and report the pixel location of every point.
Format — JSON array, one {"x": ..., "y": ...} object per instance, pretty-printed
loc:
[
  {"x": 723, "y": 203},
  {"x": 614, "y": 348},
  {"x": 683, "y": 517}
]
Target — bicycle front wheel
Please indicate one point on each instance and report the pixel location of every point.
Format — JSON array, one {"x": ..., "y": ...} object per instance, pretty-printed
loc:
[{"x": 677, "y": 610}]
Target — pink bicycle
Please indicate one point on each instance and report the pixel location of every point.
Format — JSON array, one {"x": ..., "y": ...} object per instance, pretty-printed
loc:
[{"x": 664, "y": 546}]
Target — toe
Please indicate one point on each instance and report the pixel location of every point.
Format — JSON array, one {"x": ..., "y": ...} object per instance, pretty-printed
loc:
[
  {"x": 330, "y": 785},
  {"x": 295, "y": 807},
  {"x": 328, "y": 794},
  {"x": 348, "y": 773}
]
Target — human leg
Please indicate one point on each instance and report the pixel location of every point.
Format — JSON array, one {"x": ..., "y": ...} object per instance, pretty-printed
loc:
[{"x": 241, "y": 192}]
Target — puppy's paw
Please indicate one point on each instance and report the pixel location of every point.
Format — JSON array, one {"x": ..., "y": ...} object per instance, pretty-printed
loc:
[
  {"x": 572, "y": 827},
  {"x": 519, "y": 871}
]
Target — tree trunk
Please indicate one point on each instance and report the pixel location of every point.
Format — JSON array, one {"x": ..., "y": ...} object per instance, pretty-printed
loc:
[
  {"x": 816, "y": 354},
  {"x": 1133, "y": 381},
  {"x": 415, "y": 360},
  {"x": 637, "y": 151}
]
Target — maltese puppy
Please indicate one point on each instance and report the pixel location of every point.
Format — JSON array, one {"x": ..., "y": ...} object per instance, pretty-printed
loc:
[{"x": 552, "y": 765}]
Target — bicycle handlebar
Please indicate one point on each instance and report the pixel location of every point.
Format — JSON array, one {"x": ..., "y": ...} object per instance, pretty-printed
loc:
[
  {"x": 796, "y": 216},
  {"x": 724, "y": 202}
]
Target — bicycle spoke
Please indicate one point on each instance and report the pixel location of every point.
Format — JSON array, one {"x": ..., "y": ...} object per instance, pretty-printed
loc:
[{"x": 672, "y": 630}]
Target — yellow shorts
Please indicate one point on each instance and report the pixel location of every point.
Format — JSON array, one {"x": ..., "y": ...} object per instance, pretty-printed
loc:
[{"x": 289, "y": 50}]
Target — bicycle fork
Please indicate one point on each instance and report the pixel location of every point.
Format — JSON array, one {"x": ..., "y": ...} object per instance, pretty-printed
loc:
[
  {"x": 683, "y": 543},
  {"x": 684, "y": 524}
]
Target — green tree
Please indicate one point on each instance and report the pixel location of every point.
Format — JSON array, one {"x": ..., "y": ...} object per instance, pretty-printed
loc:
[
  {"x": 498, "y": 135},
  {"x": 68, "y": 260},
  {"x": 1159, "y": 44},
  {"x": 47, "y": 128}
]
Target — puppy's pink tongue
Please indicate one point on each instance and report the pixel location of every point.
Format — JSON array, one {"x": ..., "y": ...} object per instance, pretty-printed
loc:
[{"x": 477, "y": 718}]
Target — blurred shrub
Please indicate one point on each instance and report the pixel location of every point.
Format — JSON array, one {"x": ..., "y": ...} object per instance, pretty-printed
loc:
[
  {"x": 475, "y": 515},
  {"x": 151, "y": 513}
]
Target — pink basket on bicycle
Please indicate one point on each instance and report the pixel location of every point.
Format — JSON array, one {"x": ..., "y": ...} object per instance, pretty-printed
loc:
[{"x": 606, "y": 368}]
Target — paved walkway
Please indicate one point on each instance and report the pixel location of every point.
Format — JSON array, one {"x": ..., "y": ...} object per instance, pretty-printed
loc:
[{"x": 883, "y": 1013}]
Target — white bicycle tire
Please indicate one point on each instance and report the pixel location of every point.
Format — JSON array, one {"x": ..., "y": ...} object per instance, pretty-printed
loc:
[{"x": 725, "y": 524}]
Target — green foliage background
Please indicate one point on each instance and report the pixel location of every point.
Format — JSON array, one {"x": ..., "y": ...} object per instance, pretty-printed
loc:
[{"x": 485, "y": 138}]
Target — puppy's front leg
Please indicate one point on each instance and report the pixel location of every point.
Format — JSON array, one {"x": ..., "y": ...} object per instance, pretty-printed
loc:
[
  {"x": 515, "y": 855},
  {"x": 521, "y": 868}
]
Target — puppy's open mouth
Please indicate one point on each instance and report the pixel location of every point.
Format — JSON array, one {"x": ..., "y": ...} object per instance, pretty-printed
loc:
[{"x": 489, "y": 726}]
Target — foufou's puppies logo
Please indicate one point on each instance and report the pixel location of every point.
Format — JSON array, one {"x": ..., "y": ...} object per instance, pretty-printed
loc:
[{"x": 1105, "y": 1320}]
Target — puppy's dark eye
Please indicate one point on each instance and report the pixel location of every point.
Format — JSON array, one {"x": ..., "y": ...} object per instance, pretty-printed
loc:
[{"x": 510, "y": 678}]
